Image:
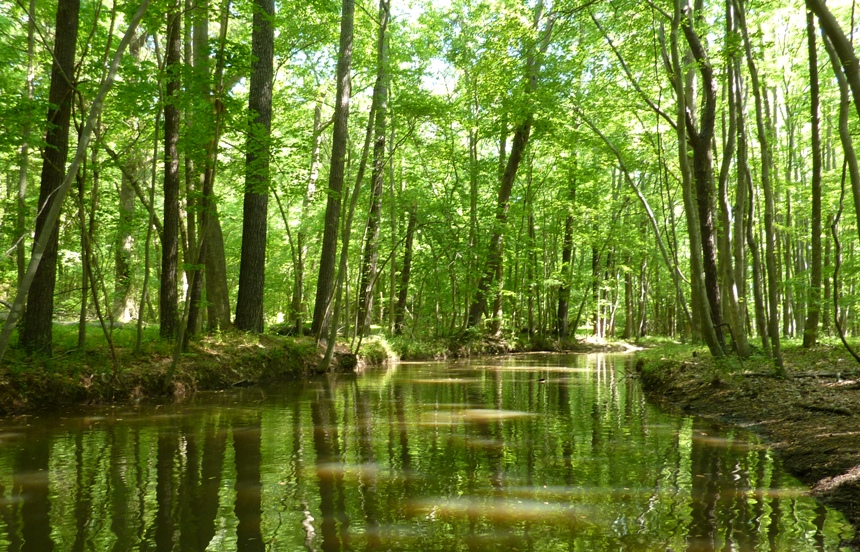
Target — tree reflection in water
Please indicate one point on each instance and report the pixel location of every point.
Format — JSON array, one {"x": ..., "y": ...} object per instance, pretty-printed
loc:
[{"x": 534, "y": 452}]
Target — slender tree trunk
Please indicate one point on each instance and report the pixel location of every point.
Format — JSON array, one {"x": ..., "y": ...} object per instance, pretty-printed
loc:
[
  {"x": 493, "y": 267},
  {"x": 595, "y": 290},
  {"x": 741, "y": 190},
  {"x": 371, "y": 246},
  {"x": 198, "y": 131},
  {"x": 531, "y": 263},
  {"x": 252, "y": 268},
  {"x": 770, "y": 254},
  {"x": 144, "y": 292},
  {"x": 810, "y": 331},
  {"x": 784, "y": 242},
  {"x": 328, "y": 256},
  {"x": 297, "y": 302},
  {"x": 566, "y": 270},
  {"x": 85, "y": 258},
  {"x": 169, "y": 297},
  {"x": 700, "y": 301},
  {"x": 757, "y": 267},
  {"x": 826, "y": 304},
  {"x": 123, "y": 300},
  {"x": 217, "y": 291},
  {"x": 642, "y": 307},
  {"x": 395, "y": 190},
  {"x": 474, "y": 174},
  {"x": 703, "y": 173},
  {"x": 37, "y": 332},
  {"x": 844, "y": 132},
  {"x": 24, "y": 155},
  {"x": 629, "y": 310},
  {"x": 841, "y": 46},
  {"x": 400, "y": 311},
  {"x": 730, "y": 296},
  {"x": 191, "y": 138}
]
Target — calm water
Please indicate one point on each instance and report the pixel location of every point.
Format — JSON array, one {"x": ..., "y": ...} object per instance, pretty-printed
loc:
[{"x": 522, "y": 453}]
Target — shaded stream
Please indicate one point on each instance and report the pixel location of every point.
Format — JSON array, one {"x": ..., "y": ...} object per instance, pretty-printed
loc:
[{"x": 536, "y": 452}]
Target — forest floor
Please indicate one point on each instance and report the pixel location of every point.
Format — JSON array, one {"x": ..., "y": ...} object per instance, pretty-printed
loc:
[{"x": 811, "y": 418}]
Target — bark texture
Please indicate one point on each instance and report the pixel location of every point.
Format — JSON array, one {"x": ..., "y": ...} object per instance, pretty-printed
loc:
[
  {"x": 252, "y": 268},
  {"x": 371, "y": 247},
  {"x": 168, "y": 294},
  {"x": 328, "y": 256},
  {"x": 810, "y": 330},
  {"x": 37, "y": 332}
]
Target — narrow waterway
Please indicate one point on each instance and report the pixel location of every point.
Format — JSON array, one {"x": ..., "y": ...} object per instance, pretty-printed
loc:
[{"x": 535, "y": 452}]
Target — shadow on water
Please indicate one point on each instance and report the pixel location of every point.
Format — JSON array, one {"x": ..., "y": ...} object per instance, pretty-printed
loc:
[{"x": 519, "y": 453}]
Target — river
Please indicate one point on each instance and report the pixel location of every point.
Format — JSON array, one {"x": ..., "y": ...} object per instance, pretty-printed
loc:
[{"x": 528, "y": 452}]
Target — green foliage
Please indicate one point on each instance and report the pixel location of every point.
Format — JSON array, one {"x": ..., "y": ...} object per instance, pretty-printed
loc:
[
  {"x": 409, "y": 348},
  {"x": 457, "y": 75},
  {"x": 376, "y": 351}
]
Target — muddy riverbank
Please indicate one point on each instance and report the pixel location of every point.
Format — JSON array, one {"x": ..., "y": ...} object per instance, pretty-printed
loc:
[{"x": 811, "y": 419}]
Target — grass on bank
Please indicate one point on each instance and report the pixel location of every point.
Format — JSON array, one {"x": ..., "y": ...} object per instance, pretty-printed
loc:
[
  {"x": 828, "y": 355},
  {"x": 88, "y": 374}
]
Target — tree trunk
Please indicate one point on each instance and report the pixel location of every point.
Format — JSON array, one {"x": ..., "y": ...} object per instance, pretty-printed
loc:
[
  {"x": 770, "y": 235},
  {"x": 701, "y": 304},
  {"x": 703, "y": 173},
  {"x": 85, "y": 258},
  {"x": 169, "y": 297},
  {"x": 371, "y": 246},
  {"x": 629, "y": 312},
  {"x": 297, "y": 302},
  {"x": 252, "y": 268},
  {"x": 123, "y": 300},
  {"x": 24, "y": 155},
  {"x": 199, "y": 126},
  {"x": 810, "y": 331},
  {"x": 37, "y": 332},
  {"x": 531, "y": 262},
  {"x": 827, "y": 269},
  {"x": 493, "y": 267},
  {"x": 328, "y": 255},
  {"x": 472, "y": 255},
  {"x": 730, "y": 296},
  {"x": 402, "y": 294},
  {"x": 841, "y": 46},
  {"x": 217, "y": 291},
  {"x": 844, "y": 132},
  {"x": 562, "y": 318}
]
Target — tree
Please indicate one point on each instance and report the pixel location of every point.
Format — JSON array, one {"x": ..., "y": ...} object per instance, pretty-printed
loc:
[
  {"x": 42, "y": 243},
  {"x": 371, "y": 244},
  {"x": 37, "y": 333},
  {"x": 766, "y": 160},
  {"x": 493, "y": 267},
  {"x": 701, "y": 141},
  {"x": 168, "y": 296},
  {"x": 252, "y": 269},
  {"x": 810, "y": 332},
  {"x": 328, "y": 254}
]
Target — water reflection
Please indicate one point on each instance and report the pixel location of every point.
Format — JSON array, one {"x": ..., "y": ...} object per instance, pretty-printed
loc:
[{"x": 522, "y": 453}]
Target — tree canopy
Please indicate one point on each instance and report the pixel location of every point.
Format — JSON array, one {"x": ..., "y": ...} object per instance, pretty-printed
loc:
[{"x": 525, "y": 170}]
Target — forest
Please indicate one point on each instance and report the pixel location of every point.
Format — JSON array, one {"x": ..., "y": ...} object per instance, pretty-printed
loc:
[{"x": 527, "y": 170}]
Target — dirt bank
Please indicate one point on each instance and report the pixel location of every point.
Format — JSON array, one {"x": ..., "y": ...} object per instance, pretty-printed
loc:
[
  {"x": 811, "y": 419},
  {"x": 74, "y": 377}
]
